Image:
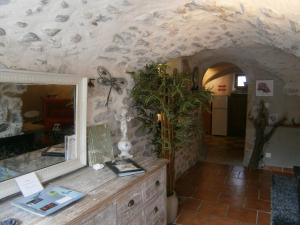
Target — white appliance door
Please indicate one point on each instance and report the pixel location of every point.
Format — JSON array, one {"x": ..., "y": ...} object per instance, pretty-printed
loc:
[
  {"x": 219, "y": 122},
  {"x": 219, "y": 115},
  {"x": 219, "y": 102}
]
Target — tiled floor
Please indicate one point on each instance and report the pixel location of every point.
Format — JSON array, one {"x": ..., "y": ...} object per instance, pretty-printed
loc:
[
  {"x": 216, "y": 194},
  {"x": 225, "y": 150}
]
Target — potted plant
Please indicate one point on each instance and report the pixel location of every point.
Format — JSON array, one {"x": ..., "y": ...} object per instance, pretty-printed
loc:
[{"x": 166, "y": 105}]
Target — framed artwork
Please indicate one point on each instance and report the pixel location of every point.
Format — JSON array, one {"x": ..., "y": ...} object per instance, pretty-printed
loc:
[{"x": 264, "y": 88}]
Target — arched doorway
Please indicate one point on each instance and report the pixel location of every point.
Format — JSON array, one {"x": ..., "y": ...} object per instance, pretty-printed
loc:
[{"x": 225, "y": 124}]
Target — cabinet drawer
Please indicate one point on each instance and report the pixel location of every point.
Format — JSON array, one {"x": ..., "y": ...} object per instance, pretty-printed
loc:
[
  {"x": 86, "y": 221},
  {"x": 107, "y": 216},
  {"x": 154, "y": 185},
  {"x": 138, "y": 220},
  {"x": 155, "y": 212},
  {"x": 104, "y": 217},
  {"x": 128, "y": 206}
]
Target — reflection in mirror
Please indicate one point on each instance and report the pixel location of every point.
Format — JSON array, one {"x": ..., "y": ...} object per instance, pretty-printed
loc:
[{"x": 36, "y": 127}]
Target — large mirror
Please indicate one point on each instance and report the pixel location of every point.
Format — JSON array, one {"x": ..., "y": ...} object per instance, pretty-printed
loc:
[
  {"x": 42, "y": 125},
  {"x": 36, "y": 120}
]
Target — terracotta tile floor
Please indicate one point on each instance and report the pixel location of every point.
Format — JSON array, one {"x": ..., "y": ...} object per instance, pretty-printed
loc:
[
  {"x": 216, "y": 194},
  {"x": 225, "y": 150}
]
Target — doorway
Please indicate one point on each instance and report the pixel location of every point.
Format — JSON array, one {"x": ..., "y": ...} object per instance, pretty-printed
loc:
[{"x": 225, "y": 124}]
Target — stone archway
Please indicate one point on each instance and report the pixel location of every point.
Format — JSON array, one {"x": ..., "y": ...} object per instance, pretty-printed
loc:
[
  {"x": 225, "y": 123},
  {"x": 259, "y": 63}
]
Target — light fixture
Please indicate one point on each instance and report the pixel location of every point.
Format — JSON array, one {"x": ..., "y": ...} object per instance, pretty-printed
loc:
[{"x": 91, "y": 83}]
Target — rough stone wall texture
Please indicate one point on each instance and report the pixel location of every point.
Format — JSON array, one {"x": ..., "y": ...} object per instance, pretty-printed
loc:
[
  {"x": 186, "y": 158},
  {"x": 11, "y": 121},
  {"x": 77, "y": 36}
]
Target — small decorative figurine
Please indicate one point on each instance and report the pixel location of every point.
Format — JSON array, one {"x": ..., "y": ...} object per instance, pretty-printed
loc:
[{"x": 124, "y": 144}]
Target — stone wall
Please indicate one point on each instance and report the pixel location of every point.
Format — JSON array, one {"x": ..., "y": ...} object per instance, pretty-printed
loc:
[
  {"x": 186, "y": 158},
  {"x": 98, "y": 113},
  {"x": 11, "y": 120},
  {"x": 77, "y": 36}
]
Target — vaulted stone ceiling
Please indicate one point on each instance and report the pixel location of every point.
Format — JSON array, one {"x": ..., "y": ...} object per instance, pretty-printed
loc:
[{"x": 75, "y": 36}]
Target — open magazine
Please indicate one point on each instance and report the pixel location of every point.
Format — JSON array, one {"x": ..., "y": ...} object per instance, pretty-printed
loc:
[{"x": 48, "y": 201}]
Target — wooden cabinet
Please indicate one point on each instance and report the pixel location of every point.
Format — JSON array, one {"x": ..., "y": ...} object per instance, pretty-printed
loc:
[
  {"x": 97, "y": 217},
  {"x": 143, "y": 203},
  {"x": 110, "y": 200},
  {"x": 129, "y": 205},
  {"x": 155, "y": 212},
  {"x": 154, "y": 186}
]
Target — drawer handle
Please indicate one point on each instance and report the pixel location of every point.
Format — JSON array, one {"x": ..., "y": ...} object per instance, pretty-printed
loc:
[
  {"x": 157, "y": 183},
  {"x": 131, "y": 203},
  {"x": 155, "y": 209}
]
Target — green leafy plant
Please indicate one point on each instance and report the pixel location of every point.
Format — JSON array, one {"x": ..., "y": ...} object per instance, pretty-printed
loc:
[{"x": 166, "y": 105}]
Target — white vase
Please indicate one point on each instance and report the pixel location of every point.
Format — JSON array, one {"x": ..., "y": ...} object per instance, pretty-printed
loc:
[
  {"x": 172, "y": 208},
  {"x": 124, "y": 146}
]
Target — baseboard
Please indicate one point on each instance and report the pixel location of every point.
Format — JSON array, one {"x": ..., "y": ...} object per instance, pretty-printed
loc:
[{"x": 280, "y": 170}]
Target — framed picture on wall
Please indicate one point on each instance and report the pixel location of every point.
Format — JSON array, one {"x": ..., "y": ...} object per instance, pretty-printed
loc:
[{"x": 264, "y": 88}]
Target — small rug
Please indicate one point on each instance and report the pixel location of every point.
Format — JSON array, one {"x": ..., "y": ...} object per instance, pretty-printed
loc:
[
  {"x": 6, "y": 173},
  {"x": 285, "y": 207}
]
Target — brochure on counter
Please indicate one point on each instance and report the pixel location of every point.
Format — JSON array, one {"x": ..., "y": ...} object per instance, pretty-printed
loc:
[{"x": 48, "y": 201}]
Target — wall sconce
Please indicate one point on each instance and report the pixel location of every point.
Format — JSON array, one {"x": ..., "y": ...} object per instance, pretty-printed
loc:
[
  {"x": 91, "y": 83},
  {"x": 158, "y": 117}
]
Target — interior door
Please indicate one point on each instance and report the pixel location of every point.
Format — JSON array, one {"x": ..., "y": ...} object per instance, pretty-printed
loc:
[{"x": 237, "y": 115}]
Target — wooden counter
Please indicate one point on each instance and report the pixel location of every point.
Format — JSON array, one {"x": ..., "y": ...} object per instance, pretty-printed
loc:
[{"x": 110, "y": 200}]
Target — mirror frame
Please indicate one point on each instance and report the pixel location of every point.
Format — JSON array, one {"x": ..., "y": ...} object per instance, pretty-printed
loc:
[{"x": 10, "y": 187}]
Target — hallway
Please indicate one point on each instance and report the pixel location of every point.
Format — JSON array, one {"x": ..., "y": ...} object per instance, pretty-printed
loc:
[
  {"x": 215, "y": 194},
  {"x": 224, "y": 149}
]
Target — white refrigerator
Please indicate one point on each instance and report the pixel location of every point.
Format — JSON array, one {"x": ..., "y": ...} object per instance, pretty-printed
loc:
[{"x": 219, "y": 115}]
